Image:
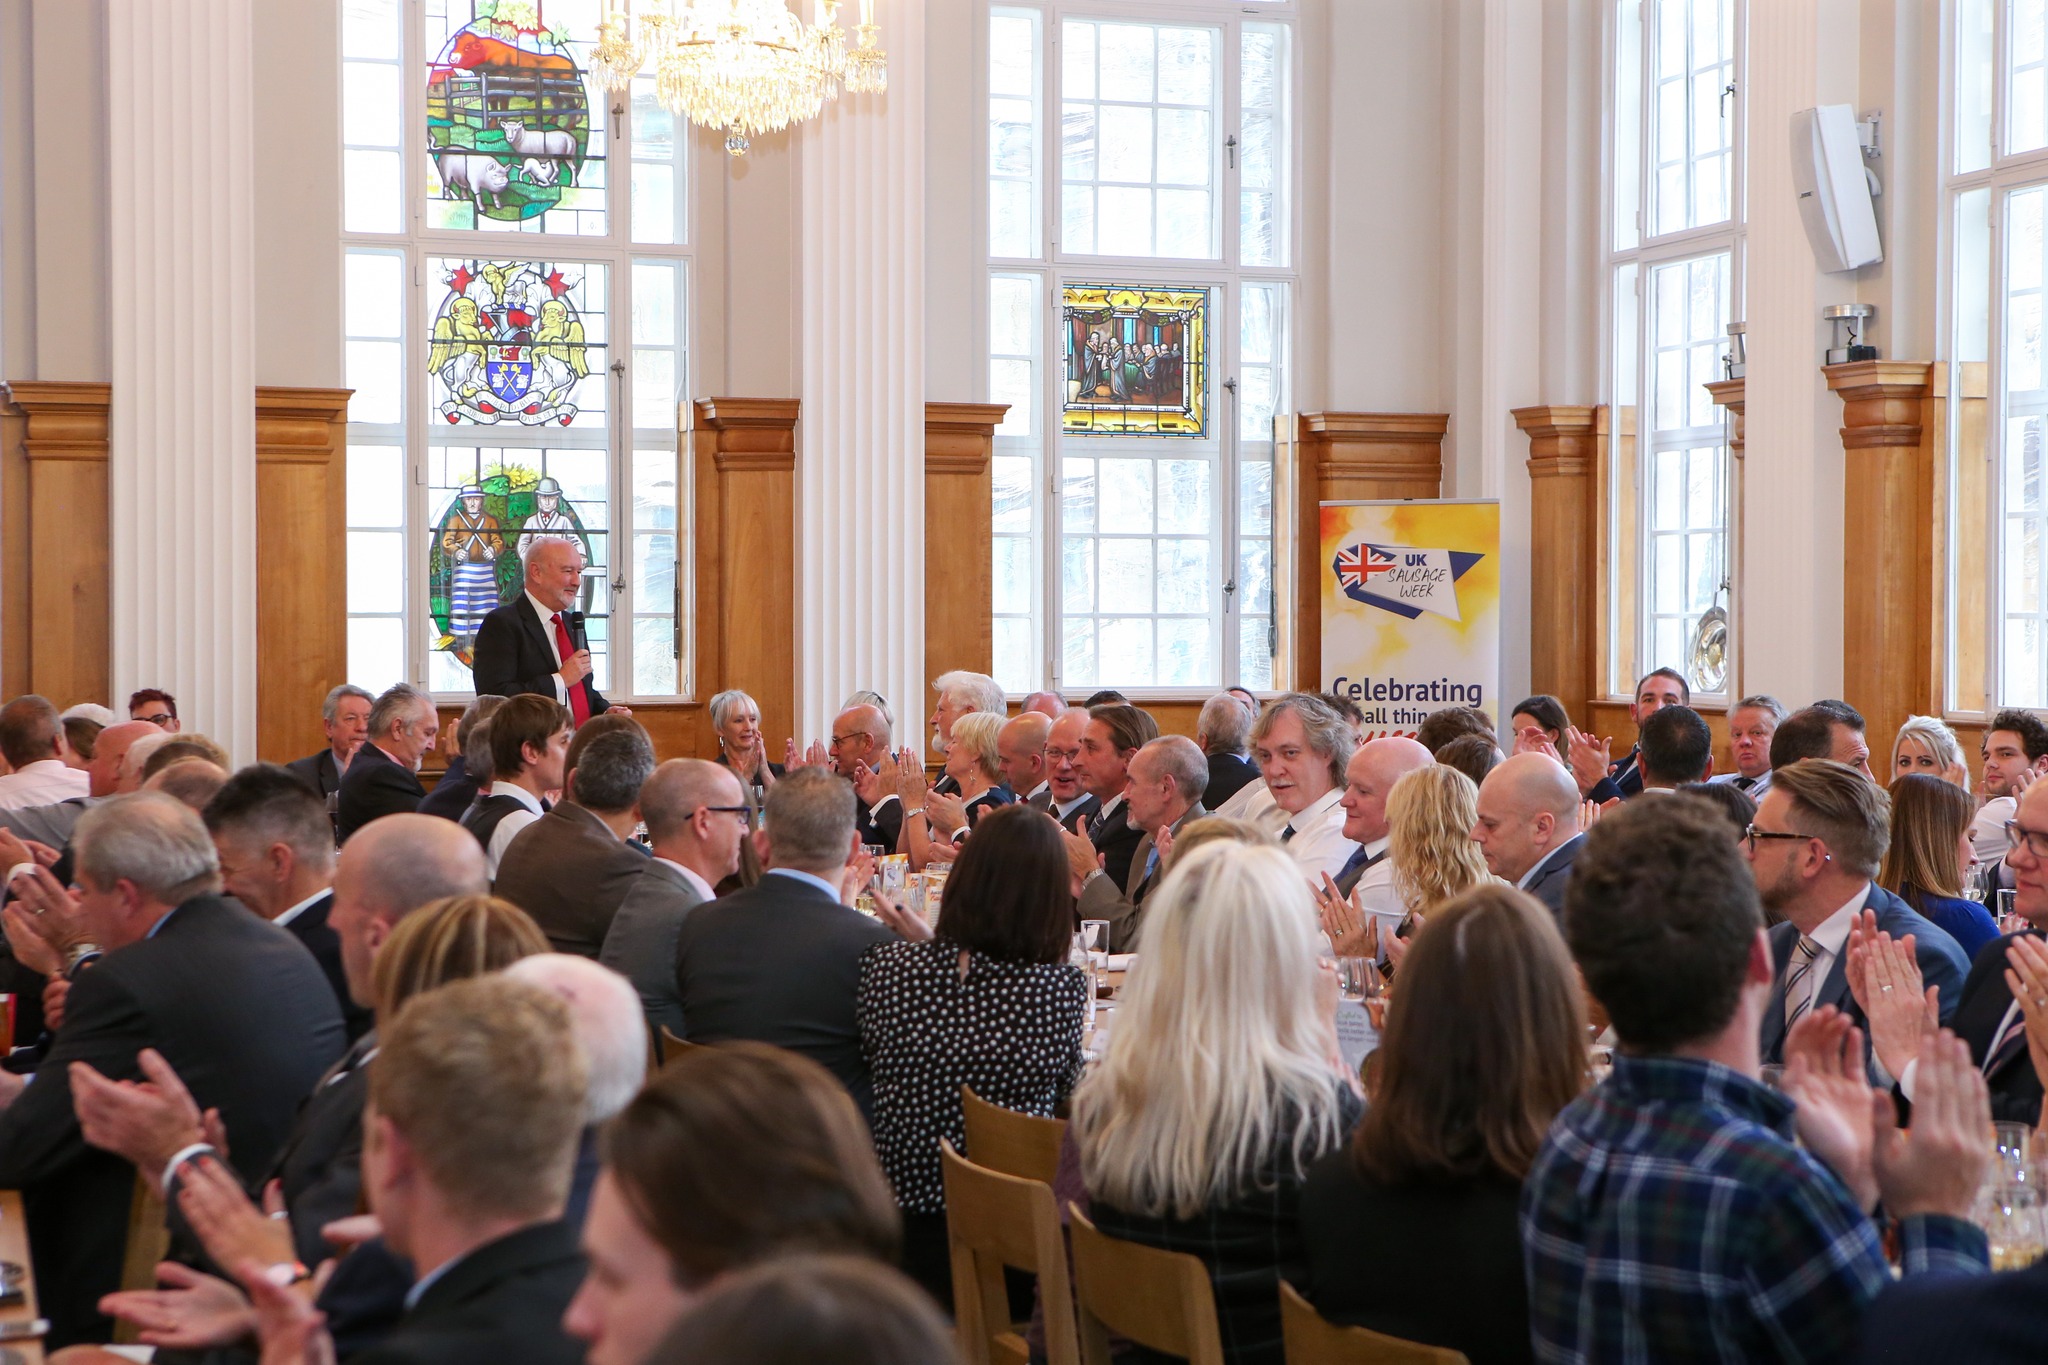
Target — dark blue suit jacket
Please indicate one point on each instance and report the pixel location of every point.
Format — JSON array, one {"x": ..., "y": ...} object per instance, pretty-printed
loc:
[
  {"x": 1548, "y": 884},
  {"x": 1941, "y": 964},
  {"x": 1983, "y": 1319}
]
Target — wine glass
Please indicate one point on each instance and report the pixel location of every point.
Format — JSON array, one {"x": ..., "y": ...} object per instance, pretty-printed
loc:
[{"x": 2012, "y": 1222}]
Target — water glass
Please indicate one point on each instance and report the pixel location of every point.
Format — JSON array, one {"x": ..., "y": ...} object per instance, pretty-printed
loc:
[
  {"x": 1095, "y": 939},
  {"x": 1079, "y": 956},
  {"x": 2011, "y": 1218},
  {"x": 2009, "y": 921},
  {"x": 2015, "y": 1142},
  {"x": 1359, "y": 979},
  {"x": 892, "y": 874}
]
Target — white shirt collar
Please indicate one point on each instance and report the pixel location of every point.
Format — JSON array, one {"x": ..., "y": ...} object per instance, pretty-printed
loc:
[
  {"x": 1377, "y": 846},
  {"x": 1317, "y": 809},
  {"x": 1044, "y": 786},
  {"x": 288, "y": 916},
  {"x": 703, "y": 887},
  {"x": 518, "y": 793},
  {"x": 541, "y": 609},
  {"x": 43, "y": 765},
  {"x": 1109, "y": 806},
  {"x": 1066, "y": 808},
  {"x": 1833, "y": 932}
]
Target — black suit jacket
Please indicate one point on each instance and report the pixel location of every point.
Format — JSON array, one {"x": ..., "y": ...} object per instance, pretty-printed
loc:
[
  {"x": 311, "y": 928},
  {"x": 1228, "y": 774},
  {"x": 1548, "y": 885},
  {"x": 318, "y": 771},
  {"x": 1117, "y": 842},
  {"x": 880, "y": 823},
  {"x": 452, "y": 794},
  {"x": 237, "y": 1007},
  {"x": 1983, "y": 1319},
  {"x": 375, "y": 785},
  {"x": 1077, "y": 819},
  {"x": 779, "y": 963},
  {"x": 515, "y": 654},
  {"x": 570, "y": 873},
  {"x": 2015, "y": 1088},
  {"x": 1941, "y": 964},
  {"x": 502, "y": 1303}
]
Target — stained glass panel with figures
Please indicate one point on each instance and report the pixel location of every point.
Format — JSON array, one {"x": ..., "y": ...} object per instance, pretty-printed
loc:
[{"x": 1137, "y": 360}]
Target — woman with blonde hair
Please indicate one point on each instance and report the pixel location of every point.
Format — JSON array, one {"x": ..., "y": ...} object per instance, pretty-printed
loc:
[
  {"x": 1485, "y": 1042},
  {"x": 1430, "y": 814},
  {"x": 971, "y": 760},
  {"x": 1926, "y": 745},
  {"x": 1220, "y": 1084},
  {"x": 1930, "y": 855},
  {"x": 450, "y": 939}
]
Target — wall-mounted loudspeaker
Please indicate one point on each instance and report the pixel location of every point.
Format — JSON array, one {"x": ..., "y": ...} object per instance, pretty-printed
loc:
[{"x": 1834, "y": 188}]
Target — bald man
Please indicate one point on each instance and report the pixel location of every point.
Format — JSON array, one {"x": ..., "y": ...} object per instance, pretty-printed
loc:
[
  {"x": 1166, "y": 777},
  {"x": 1020, "y": 758},
  {"x": 860, "y": 741},
  {"x": 696, "y": 816},
  {"x": 1528, "y": 827},
  {"x": 535, "y": 643},
  {"x": 1051, "y": 705},
  {"x": 1370, "y": 775}
]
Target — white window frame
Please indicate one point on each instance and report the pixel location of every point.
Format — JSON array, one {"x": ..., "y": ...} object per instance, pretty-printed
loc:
[
  {"x": 417, "y": 243},
  {"x": 1054, "y": 267},
  {"x": 1632, "y": 643}
]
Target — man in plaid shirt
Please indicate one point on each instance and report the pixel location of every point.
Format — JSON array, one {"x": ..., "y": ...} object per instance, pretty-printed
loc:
[{"x": 1670, "y": 1215}]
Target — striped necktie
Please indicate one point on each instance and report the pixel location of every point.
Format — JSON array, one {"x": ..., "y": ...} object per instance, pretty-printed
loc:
[
  {"x": 1797, "y": 996},
  {"x": 2010, "y": 1043}
]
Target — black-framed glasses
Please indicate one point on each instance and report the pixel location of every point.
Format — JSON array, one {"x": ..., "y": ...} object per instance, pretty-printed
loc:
[
  {"x": 2035, "y": 840},
  {"x": 160, "y": 719},
  {"x": 728, "y": 810},
  {"x": 1752, "y": 834}
]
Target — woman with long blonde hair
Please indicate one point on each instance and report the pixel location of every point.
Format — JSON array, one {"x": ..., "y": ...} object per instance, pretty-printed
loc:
[
  {"x": 1430, "y": 814},
  {"x": 1220, "y": 1084}
]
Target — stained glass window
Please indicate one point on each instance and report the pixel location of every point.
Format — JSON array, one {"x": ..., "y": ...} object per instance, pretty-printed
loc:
[
  {"x": 496, "y": 405},
  {"x": 1139, "y": 339}
]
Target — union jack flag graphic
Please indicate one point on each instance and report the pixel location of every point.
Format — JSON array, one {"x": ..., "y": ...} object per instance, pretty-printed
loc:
[{"x": 1357, "y": 565}]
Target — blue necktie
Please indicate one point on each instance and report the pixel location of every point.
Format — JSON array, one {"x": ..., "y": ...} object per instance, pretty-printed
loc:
[{"x": 1358, "y": 859}]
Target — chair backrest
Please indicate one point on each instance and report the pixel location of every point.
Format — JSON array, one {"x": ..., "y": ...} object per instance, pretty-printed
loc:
[
  {"x": 673, "y": 1047},
  {"x": 992, "y": 1221},
  {"x": 1004, "y": 1140},
  {"x": 149, "y": 1239},
  {"x": 1313, "y": 1340},
  {"x": 1160, "y": 1299}
]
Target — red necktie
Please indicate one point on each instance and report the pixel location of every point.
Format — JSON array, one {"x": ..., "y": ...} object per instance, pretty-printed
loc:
[{"x": 579, "y": 703}]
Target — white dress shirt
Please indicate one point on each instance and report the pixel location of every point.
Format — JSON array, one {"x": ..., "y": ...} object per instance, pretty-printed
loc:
[
  {"x": 288, "y": 916},
  {"x": 1375, "y": 890},
  {"x": 547, "y": 627},
  {"x": 1318, "y": 843},
  {"x": 1987, "y": 831},
  {"x": 703, "y": 887},
  {"x": 1254, "y": 803},
  {"x": 514, "y": 821},
  {"x": 47, "y": 781}
]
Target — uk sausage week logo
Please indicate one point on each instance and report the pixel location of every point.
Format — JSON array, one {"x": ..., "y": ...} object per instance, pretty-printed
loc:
[{"x": 1403, "y": 579}]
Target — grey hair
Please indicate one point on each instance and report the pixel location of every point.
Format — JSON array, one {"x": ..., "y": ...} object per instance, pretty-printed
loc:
[
  {"x": 1329, "y": 735},
  {"x": 152, "y": 840},
  {"x": 139, "y": 752},
  {"x": 611, "y": 770},
  {"x": 810, "y": 821},
  {"x": 978, "y": 690},
  {"x": 1763, "y": 702},
  {"x": 478, "y": 761},
  {"x": 604, "y": 1011},
  {"x": 331, "y": 708},
  {"x": 867, "y": 696},
  {"x": 1225, "y": 724},
  {"x": 1180, "y": 759},
  {"x": 399, "y": 703},
  {"x": 722, "y": 706}
]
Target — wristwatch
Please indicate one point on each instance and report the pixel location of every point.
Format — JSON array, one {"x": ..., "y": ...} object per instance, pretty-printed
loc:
[{"x": 287, "y": 1273}]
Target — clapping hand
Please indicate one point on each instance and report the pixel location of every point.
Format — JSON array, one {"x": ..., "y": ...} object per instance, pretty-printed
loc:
[
  {"x": 1534, "y": 739},
  {"x": 1590, "y": 813},
  {"x": 1936, "y": 1166},
  {"x": 1589, "y": 758},
  {"x": 227, "y": 1222},
  {"x": 15, "y": 850},
  {"x": 860, "y": 870},
  {"x": 945, "y": 813},
  {"x": 1884, "y": 980},
  {"x": 1083, "y": 858},
  {"x": 148, "y": 1122},
  {"x": 911, "y": 785},
  {"x": 196, "y": 1311},
  {"x": 1353, "y": 933},
  {"x": 1825, "y": 1077},
  {"x": 906, "y": 925},
  {"x": 293, "y": 1332},
  {"x": 1162, "y": 843},
  {"x": 2026, "y": 975},
  {"x": 867, "y": 784},
  {"x": 31, "y": 949},
  {"x": 54, "y": 908}
]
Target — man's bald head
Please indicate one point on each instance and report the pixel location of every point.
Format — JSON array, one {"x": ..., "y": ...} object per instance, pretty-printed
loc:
[
  {"x": 388, "y": 869},
  {"x": 1528, "y": 806},
  {"x": 860, "y": 735},
  {"x": 679, "y": 788},
  {"x": 1047, "y": 704},
  {"x": 1368, "y": 778},
  {"x": 109, "y": 752},
  {"x": 1020, "y": 751}
]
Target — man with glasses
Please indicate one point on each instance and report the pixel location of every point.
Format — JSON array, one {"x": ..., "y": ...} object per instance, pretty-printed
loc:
[
  {"x": 1815, "y": 846},
  {"x": 1071, "y": 801},
  {"x": 860, "y": 739},
  {"x": 696, "y": 816},
  {"x": 158, "y": 708}
]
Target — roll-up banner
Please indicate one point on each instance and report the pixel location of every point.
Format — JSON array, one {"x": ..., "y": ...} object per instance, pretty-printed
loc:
[{"x": 1411, "y": 609}]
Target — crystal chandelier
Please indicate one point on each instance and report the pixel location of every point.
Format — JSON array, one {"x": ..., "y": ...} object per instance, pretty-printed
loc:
[{"x": 747, "y": 66}]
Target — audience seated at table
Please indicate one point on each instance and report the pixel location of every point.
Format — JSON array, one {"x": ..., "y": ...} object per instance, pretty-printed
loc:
[
  {"x": 1413, "y": 1224},
  {"x": 1221, "y": 1084},
  {"x": 988, "y": 1002},
  {"x": 731, "y": 1155}
]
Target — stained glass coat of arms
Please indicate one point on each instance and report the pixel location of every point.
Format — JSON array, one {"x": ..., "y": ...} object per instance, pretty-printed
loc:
[
  {"x": 1137, "y": 361},
  {"x": 518, "y": 341}
]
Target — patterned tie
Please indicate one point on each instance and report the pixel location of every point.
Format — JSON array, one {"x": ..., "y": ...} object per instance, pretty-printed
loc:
[
  {"x": 1797, "y": 997},
  {"x": 579, "y": 703},
  {"x": 2010, "y": 1043}
]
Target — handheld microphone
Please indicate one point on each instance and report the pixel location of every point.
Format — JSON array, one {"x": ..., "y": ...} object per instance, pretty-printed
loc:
[{"x": 577, "y": 634}]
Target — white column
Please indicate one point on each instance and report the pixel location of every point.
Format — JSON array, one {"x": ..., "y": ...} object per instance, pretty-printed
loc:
[
  {"x": 182, "y": 463},
  {"x": 1791, "y": 513},
  {"x": 860, "y": 439}
]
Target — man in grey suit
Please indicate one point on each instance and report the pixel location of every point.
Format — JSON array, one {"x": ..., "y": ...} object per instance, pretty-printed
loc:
[
  {"x": 1528, "y": 829},
  {"x": 571, "y": 868},
  {"x": 779, "y": 962},
  {"x": 696, "y": 815},
  {"x": 1167, "y": 776},
  {"x": 1020, "y": 758}
]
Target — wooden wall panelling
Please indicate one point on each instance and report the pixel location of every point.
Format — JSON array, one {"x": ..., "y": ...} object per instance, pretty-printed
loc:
[
  {"x": 1969, "y": 514},
  {"x": 58, "y": 542},
  {"x": 959, "y": 492},
  {"x": 1564, "y": 550},
  {"x": 1889, "y": 648},
  {"x": 746, "y": 579},
  {"x": 1610, "y": 718},
  {"x": 1351, "y": 457},
  {"x": 301, "y": 548}
]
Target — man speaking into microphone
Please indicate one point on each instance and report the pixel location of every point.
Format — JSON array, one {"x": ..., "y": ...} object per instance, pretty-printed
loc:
[{"x": 535, "y": 643}]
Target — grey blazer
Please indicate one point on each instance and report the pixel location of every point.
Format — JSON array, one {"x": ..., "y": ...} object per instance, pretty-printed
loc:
[
  {"x": 641, "y": 944},
  {"x": 1101, "y": 899}
]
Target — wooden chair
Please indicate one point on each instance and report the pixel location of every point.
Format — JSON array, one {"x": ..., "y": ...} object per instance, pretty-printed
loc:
[
  {"x": 673, "y": 1047},
  {"x": 999, "y": 1139},
  {"x": 995, "y": 1220},
  {"x": 1311, "y": 1339},
  {"x": 149, "y": 1238},
  {"x": 1160, "y": 1299}
]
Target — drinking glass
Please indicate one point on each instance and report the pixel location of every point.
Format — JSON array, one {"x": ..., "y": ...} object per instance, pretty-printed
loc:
[
  {"x": 1079, "y": 956},
  {"x": 2009, "y": 921},
  {"x": 892, "y": 874},
  {"x": 2012, "y": 1222},
  {"x": 2015, "y": 1151},
  {"x": 1359, "y": 979},
  {"x": 1095, "y": 938}
]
